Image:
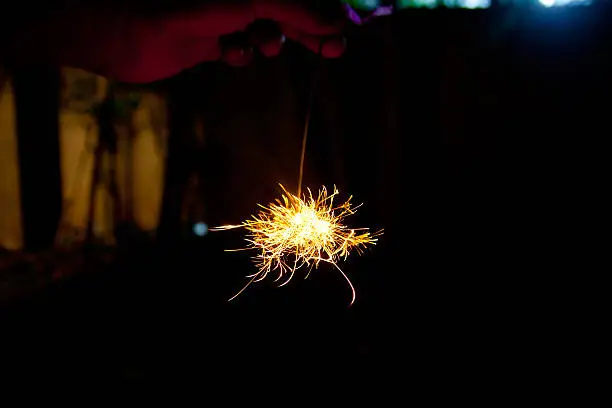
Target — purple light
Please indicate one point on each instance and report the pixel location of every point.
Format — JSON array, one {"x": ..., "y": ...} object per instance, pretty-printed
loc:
[{"x": 357, "y": 19}]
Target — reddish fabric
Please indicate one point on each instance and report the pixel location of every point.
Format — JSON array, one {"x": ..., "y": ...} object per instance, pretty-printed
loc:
[{"x": 142, "y": 47}]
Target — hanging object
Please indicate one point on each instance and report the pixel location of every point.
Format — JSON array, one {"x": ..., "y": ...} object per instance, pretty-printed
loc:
[{"x": 299, "y": 231}]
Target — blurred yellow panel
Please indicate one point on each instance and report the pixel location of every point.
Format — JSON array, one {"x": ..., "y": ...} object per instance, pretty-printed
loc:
[
  {"x": 149, "y": 160},
  {"x": 143, "y": 135},
  {"x": 10, "y": 209}
]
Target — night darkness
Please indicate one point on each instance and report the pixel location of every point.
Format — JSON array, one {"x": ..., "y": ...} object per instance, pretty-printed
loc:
[{"x": 457, "y": 131}]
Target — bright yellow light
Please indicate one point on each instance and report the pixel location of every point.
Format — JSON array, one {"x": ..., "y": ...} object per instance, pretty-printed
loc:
[{"x": 295, "y": 232}]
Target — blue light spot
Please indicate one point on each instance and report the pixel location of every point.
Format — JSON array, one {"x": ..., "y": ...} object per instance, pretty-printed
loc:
[
  {"x": 553, "y": 3},
  {"x": 200, "y": 229}
]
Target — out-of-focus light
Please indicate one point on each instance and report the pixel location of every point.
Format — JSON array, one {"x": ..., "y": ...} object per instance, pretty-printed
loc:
[
  {"x": 482, "y": 4},
  {"x": 555, "y": 3},
  {"x": 417, "y": 3},
  {"x": 200, "y": 229},
  {"x": 475, "y": 4},
  {"x": 469, "y": 4},
  {"x": 364, "y": 4}
]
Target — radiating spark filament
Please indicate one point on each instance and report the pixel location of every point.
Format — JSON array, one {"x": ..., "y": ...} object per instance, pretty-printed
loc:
[{"x": 296, "y": 232}]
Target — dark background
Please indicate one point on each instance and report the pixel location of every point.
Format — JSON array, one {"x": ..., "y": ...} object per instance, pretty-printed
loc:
[{"x": 459, "y": 131}]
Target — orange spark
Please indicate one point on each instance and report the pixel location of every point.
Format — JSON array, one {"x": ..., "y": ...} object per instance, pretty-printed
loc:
[{"x": 295, "y": 232}]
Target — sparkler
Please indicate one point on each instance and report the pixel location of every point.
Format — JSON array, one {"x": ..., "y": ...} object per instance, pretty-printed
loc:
[
  {"x": 302, "y": 230},
  {"x": 296, "y": 232}
]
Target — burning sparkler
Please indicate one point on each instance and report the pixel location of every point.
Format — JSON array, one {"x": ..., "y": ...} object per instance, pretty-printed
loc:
[
  {"x": 302, "y": 230},
  {"x": 296, "y": 232}
]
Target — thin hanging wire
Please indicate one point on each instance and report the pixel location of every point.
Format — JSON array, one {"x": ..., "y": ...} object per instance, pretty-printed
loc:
[
  {"x": 313, "y": 89},
  {"x": 380, "y": 11}
]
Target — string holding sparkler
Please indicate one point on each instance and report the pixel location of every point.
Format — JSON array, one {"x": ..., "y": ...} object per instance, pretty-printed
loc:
[
  {"x": 303, "y": 230},
  {"x": 313, "y": 88}
]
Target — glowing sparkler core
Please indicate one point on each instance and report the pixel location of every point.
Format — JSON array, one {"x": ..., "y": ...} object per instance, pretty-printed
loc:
[{"x": 294, "y": 232}]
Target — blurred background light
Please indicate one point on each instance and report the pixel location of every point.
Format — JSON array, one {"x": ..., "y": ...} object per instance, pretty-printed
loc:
[
  {"x": 553, "y": 3},
  {"x": 468, "y": 4},
  {"x": 200, "y": 229}
]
